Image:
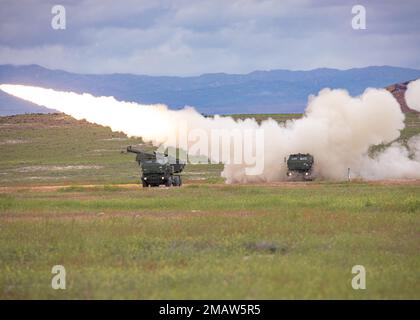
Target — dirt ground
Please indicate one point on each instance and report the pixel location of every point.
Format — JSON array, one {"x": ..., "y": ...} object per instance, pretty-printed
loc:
[{"x": 283, "y": 184}]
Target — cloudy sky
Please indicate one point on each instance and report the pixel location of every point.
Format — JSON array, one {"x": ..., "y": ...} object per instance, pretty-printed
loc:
[{"x": 190, "y": 37}]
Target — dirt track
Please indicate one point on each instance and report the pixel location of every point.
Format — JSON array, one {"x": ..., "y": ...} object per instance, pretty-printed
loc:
[
  {"x": 46, "y": 188},
  {"x": 50, "y": 188}
]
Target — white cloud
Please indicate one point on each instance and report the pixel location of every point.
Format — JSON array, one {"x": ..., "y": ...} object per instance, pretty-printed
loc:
[{"x": 193, "y": 37}]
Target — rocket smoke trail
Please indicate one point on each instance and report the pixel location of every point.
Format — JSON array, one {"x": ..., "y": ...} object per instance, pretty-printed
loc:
[{"x": 336, "y": 128}]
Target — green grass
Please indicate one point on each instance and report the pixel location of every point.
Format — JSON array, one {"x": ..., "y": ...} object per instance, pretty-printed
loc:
[
  {"x": 193, "y": 242},
  {"x": 201, "y": 241},
  {"x": 58, "y": 150},
  {"x": 333, "y": 197}
]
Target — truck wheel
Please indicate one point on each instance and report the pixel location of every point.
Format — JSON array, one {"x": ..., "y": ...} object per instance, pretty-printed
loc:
[
  {"x": 145, "y": 184},
  {"x": 169, "y": 182},
  {"x": 179, "y": 181},
  {"x": 176, "y": 181}
]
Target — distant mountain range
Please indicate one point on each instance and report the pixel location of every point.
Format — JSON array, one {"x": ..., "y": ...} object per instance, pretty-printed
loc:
[{"x": 275, "y": 91}]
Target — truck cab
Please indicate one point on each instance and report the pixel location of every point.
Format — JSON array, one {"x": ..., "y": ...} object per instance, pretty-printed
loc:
[
  {"x": 299, "y": 166},
  {"x": 158, "y": 168}
]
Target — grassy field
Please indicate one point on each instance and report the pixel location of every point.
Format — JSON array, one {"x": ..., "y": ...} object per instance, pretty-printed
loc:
[
  {"x": 68, "y": 197},
  {"x": 56, "y": 150}
]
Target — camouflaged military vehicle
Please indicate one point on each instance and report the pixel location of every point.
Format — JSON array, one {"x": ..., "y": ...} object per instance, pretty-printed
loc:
[
  {"x": 299, "y": 167},
  {"x": 158, "y": 168}
]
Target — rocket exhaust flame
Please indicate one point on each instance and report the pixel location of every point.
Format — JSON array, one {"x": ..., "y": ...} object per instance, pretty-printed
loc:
[{"x": 336, "y": 128}]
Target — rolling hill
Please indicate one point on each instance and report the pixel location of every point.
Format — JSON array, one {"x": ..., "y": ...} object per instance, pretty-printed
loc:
[{"x": 275, "y": 91}]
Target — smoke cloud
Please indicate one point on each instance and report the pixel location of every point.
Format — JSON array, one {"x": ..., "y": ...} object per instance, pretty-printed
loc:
[
  {"x": 412, "y": 95},
  {"x": 337, "y": 129}
]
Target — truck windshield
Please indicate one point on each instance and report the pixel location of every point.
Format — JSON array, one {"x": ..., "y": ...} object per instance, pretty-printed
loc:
[{"x": 161, "y": 159}]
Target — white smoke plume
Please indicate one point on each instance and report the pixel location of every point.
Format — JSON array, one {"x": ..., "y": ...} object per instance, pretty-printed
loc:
[
  {"x": 336, "y": 129},
  {"x": 412, "y": 95}
]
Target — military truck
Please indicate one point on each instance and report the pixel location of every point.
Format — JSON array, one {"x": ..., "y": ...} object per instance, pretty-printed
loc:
[
  {"x": 158, "y": 168},
  {"x": 299, "y": 167}
]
